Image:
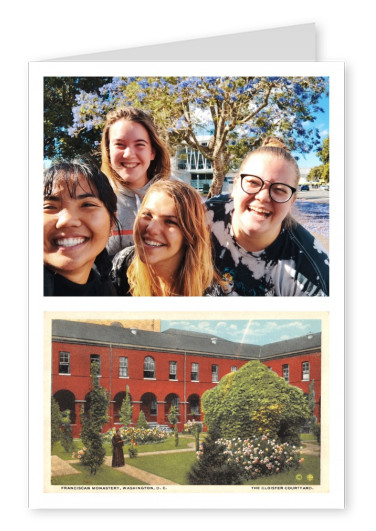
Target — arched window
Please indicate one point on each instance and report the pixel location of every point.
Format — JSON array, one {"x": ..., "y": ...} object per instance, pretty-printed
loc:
[{"x": 149, "y": 367}]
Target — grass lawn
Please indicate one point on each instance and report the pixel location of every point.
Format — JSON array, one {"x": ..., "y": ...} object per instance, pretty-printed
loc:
[
  {"x": 307, "y": 437},
  {"x": 169, "y": 444},
  {"x": 104, "y": 476},
  {"x": 170, "y": 466},
  {"x": 310, "y": 467},
  {"x": 175, "y": 467},
  {"x": 159, "y": 447}
]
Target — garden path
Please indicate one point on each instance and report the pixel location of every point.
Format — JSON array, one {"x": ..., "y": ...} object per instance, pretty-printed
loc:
[
  {"x": 59, "y": 467},
  {"x": 311, "y": 448},
  {"x": 146, "y": 477}
]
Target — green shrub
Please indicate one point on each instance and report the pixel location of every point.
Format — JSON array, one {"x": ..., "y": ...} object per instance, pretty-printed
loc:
[
  {"x": 132, "y": 451},
  {"x": 254, "y": 400},
  {"x": 66, "y": 437},
  {"x": 141, "y": 422},
  {"x": 212, "y": 466},
  {"x": 316, "y": 429}
]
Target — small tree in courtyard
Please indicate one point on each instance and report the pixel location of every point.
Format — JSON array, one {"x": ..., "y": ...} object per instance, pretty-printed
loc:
[
  {"x": 314, "y": 426},
  {"x": 126, "y": 409},
  {"x": 173, "y": 419},
  {"x": 66, "y": 436},
  {"x": 142, "y": 422},
  {"x": 55, "y": 422},
  {"x": 93, "y": 422}
]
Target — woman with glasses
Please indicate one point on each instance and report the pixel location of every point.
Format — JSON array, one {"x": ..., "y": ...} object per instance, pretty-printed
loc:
[{"x": 260, "y": 249}]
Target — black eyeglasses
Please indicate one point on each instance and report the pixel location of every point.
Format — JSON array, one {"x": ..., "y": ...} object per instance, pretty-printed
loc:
[{"x": 278, "y": 192}]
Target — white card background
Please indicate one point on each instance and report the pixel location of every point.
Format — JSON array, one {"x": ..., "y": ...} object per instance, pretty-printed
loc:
[{"x": 332, "y": 305}]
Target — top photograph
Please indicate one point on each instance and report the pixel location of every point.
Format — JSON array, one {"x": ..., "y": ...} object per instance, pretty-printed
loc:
[{"x": 186, "y": 186}]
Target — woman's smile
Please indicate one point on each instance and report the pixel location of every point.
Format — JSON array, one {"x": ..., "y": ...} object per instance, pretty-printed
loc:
[
  {"x": 76, "y": 230},
  {"x": 257, "y": 219},
  {"x": 159, "y": 238}
]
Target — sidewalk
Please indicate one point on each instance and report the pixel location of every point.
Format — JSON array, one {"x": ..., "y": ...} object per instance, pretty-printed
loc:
[
  {"x": 59, "y": 467},
  {"x": 146, "y": 477}
]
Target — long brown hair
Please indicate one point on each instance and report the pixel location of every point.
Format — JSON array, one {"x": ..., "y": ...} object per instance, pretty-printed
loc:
[
  {"x": 159, "y": 168},
  {"x": 196, "y": 272}
]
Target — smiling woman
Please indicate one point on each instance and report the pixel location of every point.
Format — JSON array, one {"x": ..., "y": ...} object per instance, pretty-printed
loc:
[
  {"x": 134, "y": 157},
  {"x": 79, "y": 209},
  {"x": 259, "y": 248},
  {"x": 172, "y": 253}
]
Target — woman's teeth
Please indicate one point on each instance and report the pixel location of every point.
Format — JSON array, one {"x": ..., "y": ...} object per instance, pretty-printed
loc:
[
  {"x": 153, "y": 244},
  {"x": 260, "y": 211},
  {"x": 69, "y": 242}
]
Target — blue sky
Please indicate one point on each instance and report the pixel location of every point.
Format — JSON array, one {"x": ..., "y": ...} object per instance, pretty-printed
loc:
[
  {"x": 256, "y": 331},
  {"x": 311, "y": 160}
]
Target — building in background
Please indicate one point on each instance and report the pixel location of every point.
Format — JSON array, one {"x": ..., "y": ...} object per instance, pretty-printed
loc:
[{"x": 162, "y": 369}]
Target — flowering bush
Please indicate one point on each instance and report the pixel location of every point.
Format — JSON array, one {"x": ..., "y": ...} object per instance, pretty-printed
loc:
[
  {"x": 258, "y": 456},
  {"x": 192, "y": 426},
  {"x": 80, "y": 454},
  {"x": 138, "y": 435}
]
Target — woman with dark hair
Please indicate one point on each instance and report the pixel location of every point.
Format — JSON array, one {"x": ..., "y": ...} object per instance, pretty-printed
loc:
[
  {"x": 117, "y": 450},
  {"x": 259, "y": 248},
  {"x": 79, "y": 213},
  {"x": 134, "y": 157},
  {"x": 172, "y": 253}
]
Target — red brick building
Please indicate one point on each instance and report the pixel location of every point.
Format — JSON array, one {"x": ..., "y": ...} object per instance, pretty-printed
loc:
[{"x": 161, "y": 369}]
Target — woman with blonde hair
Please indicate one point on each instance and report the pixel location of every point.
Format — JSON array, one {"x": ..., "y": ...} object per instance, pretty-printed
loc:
[
  {"x": 172, "y": 253},
  {"x": 259, "y": 247},
  {"x": 134, "y": 156}
]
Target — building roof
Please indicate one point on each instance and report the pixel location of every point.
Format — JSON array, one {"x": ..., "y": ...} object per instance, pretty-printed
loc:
[{"x": 179, "y": 341}]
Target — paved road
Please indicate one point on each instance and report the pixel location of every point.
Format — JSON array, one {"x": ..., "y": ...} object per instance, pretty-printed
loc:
[{"x": 315, "y": 196}]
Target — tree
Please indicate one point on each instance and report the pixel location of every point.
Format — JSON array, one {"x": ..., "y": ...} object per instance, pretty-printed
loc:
[
  {"x": 126, "y": 409},
  {"x": 173, "y": 419},
  {"x": 59, "y": 98},
  {"x": 56, "y": 422},
  {"x": 93, "y": 422},
  {"x": 255, "y": 401},
  {"x": 141, "y": 421},
  {"x": 235, "y": 112},
  {"x": 321, "y": 173},
  {"x": 66, "y": 436},
  {"x": 212, "y": 467}
]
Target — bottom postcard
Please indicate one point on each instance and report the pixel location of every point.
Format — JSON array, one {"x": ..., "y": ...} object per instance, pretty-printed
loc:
[{"x": 144, "y": 404}]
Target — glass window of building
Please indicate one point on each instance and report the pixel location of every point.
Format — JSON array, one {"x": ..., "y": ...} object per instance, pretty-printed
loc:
[
  {"x": 64, "y": 363},
  {"x": 123, "y": 367}
]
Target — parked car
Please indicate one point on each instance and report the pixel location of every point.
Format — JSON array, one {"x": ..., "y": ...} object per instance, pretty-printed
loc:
[{"x": 304, "y": 188}]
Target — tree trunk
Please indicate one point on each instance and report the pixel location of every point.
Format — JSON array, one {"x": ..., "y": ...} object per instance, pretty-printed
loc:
[{"x": 220, "y": 167}]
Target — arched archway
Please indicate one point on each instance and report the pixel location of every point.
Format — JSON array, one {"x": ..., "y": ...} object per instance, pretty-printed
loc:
[
  {"x": 149, "y": 406},
  {"x": 117, "y": 403},
  {"x": 194, "y": 407},
  {"x": 66, "y": 400},
  {"x": 171, "y": 400}
]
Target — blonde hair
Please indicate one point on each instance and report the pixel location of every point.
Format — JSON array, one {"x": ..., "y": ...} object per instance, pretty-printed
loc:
[
  {"x": 276, "y": 148},
  {"x": 159, "y": 168},
  {"x": 196, "y": 272}
]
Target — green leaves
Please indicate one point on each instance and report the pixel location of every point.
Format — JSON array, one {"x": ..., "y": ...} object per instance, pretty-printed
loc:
[{"x": 254, "y": 401}]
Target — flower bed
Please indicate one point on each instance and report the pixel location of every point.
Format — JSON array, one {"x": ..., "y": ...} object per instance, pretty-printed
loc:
[
  {"x": 259, "y": 456},
  {"x": 138, "y": 435}
]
